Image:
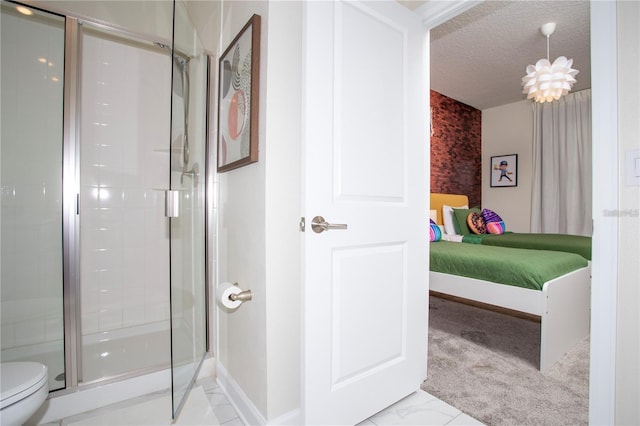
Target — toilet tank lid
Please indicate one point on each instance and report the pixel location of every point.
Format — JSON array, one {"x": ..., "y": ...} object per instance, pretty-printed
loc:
[{"x": 17, "y": 377}]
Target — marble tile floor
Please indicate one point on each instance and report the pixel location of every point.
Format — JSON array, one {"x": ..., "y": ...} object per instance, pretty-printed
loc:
[
  {"x": 156, "y": 411},
  {"x": 419, "y": 408}
]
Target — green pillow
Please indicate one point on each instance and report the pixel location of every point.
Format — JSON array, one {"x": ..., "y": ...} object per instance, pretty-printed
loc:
[{"x": 460, "y": 220}]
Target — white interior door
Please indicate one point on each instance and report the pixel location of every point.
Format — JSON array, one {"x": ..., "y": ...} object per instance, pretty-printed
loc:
[{"x": 365, "y": 165}]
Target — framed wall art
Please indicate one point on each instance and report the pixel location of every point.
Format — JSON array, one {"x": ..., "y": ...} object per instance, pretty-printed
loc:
[
  {"x": 504, "y": 170},
  {"x": 238, "y": 97}
]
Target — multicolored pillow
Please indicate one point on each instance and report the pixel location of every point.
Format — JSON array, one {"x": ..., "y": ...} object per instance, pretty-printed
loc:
[
  {"x": 476, "y": 223},
  {"x": 493, "y": 222},
  {"x": 435, "y": 233}
]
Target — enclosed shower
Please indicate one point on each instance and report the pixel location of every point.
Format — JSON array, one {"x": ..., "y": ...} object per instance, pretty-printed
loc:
[{"x": 103, "y": 155}]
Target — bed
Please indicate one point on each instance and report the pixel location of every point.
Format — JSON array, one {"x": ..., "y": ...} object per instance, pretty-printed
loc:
[
  {"x": 552, "y": 285},
  {"x": 577, "y": 244},
  {"x": 557, "y": 242}
]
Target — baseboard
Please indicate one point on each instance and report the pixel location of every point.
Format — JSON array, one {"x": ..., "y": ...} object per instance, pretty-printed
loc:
[
  {"x": 247, "y": 411},
  {"x": 292, "y": 418}
]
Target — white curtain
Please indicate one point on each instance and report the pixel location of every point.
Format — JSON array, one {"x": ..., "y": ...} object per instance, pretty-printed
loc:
[{"x": 561, "y": 197}]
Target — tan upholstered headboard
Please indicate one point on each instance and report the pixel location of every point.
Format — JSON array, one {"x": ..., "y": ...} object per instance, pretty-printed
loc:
[{"x": 453, "y": 200}]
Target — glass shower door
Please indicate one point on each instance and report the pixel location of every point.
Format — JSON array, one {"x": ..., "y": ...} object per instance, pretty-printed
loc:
[
  {"x": 187, "y": 201},
  {"x": 124, "y": 235},
  {"x": 31, "y": 204}
]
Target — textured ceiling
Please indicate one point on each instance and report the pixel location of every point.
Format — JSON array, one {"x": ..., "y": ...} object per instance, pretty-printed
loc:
[{"x": 480, "y": 56}]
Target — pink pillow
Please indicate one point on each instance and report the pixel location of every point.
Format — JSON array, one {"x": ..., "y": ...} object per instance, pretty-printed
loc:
[{"x": 493, "y": 223}]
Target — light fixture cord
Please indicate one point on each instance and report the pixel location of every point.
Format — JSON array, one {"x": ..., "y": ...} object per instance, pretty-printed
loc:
[{"x": 549, "y": 35}]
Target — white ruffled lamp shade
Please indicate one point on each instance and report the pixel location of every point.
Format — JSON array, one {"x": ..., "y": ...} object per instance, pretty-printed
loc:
[{"x": 546, "y": 82}]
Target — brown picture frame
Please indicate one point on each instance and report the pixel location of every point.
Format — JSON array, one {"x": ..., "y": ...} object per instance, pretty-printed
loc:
[{"x": 238, "y": 99}]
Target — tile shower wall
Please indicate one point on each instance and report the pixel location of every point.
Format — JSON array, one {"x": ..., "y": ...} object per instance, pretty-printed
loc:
[
  {"x": 31, "y": 179},
  {"x": 125, "y": 128},
  {"x": 456, "y": 144}
]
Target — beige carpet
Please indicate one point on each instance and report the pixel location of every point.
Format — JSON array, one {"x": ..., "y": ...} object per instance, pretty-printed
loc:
[{"x": 485, "y": 364}]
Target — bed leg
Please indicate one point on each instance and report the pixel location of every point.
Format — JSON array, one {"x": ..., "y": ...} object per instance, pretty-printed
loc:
[{"x": 565, "y": 316}]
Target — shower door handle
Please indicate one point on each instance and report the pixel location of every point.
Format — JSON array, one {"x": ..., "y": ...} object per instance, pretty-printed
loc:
[{"x": 171, "y": 203}]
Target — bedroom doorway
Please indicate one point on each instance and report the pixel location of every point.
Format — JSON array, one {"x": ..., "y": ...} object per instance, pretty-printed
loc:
[{"x": 603, "y": 317}]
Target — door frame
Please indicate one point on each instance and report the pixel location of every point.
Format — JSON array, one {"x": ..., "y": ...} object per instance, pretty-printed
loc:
[{"x": 605, "y": 177}]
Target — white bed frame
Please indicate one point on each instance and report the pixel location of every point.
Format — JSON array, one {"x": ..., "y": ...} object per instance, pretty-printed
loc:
[{"x": 563, "y": 306}]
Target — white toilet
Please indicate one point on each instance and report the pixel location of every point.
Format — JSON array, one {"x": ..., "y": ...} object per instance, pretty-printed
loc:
[{"x": 24, "y": 389}]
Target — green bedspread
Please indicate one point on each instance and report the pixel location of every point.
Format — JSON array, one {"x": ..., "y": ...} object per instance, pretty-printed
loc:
[
  {"x": 518, "y": 267},
  {"x": 577, "y": 244}
]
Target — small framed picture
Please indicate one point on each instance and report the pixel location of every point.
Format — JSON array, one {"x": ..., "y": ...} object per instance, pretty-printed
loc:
[
  {"x": 504, "y": 170},
  {"x": 238, "y": 99}
]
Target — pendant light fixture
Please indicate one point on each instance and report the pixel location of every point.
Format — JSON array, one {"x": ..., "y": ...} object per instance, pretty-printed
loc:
[{"x": 546, "y": 82}]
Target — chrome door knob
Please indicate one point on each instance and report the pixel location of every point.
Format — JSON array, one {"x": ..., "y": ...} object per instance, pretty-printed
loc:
[{"x": 319, "y": 225}]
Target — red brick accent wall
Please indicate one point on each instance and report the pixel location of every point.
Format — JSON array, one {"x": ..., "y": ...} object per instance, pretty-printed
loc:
[{"x": 456, "y": 158}]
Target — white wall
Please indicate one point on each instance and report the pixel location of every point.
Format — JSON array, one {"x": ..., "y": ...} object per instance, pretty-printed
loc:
[
  {"x": 283, "y": 206},
  {"x": 628, "y": 321},
  {"x": 241, "y": 232},
  {"x": 205, "y": 16},
  {"x": 508, "y": 129},
  {"x": 259, "y": 241}
]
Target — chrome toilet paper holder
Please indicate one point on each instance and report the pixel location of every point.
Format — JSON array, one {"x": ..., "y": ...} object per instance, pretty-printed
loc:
[{"x": 243, "y": 296}]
